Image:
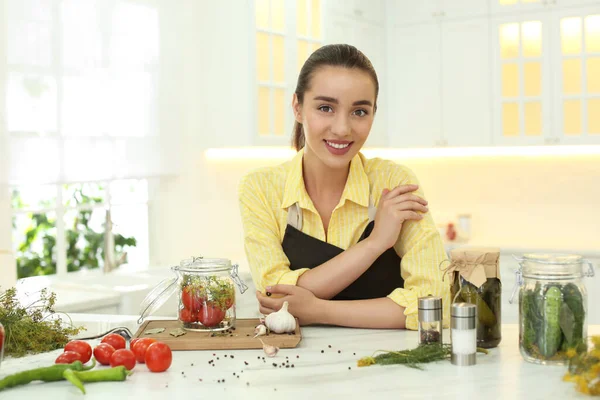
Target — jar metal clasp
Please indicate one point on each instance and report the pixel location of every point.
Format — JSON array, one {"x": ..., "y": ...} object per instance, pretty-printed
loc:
[
  {"x": 518, "y": 279},
  {"x": 236, "y": 278}
]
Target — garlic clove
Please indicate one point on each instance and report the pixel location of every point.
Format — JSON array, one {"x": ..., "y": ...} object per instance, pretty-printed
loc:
[
  {"x": 270, "y": 351},
  {"x": 260, "y": 330}
]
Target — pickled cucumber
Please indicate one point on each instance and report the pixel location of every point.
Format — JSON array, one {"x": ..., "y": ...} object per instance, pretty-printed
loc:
[
  {"x": 484, "y": 313},
  {"x": 551, "y": 335}
]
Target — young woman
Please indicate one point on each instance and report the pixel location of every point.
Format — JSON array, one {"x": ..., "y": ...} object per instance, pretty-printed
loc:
[{"x": 345, "y": 240}]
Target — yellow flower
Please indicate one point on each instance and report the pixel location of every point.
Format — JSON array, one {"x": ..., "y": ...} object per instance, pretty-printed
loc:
[
  {"x": 366, "y": 361},
  {"x": 571, "y": 352},
  {"x": 569, "y": 378},
  {"x": 596, "y": 341}
]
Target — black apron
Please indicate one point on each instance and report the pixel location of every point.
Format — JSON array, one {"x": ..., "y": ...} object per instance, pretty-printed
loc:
[{"x": 381, "y": 279}]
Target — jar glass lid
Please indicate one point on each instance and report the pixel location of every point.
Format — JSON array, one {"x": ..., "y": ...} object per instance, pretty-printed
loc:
[{"x": 201, "y": 264}]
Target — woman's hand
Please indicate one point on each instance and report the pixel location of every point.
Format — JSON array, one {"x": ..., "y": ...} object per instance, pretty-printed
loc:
[
  {"x": 395, "y": 207},
  {"x": 302, "y": 303}
]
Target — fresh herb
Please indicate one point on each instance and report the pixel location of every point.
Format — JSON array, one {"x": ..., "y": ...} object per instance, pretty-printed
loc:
[
  {"x": 412, "y": 358},
  {"x": 584, "y": 368},
  {"x": 29, "y": 329}
]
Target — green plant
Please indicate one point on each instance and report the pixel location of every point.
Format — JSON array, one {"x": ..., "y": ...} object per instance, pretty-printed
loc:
[{"x": 85, "y": 246}]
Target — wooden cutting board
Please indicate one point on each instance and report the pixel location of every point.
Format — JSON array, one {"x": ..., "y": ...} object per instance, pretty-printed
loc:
[{"x": 242, "y": 337}]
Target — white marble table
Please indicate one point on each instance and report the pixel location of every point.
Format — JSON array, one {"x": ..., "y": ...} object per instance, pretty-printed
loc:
[{"x": 318, "y": 372}]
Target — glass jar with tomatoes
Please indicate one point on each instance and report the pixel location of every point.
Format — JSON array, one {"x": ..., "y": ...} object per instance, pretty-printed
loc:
[{"x": 206, "y": 293}]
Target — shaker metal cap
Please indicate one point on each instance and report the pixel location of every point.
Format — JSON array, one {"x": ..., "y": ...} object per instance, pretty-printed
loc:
[
  {"x": 430, "y": 303},
  {"x": 463, "y": 310}
]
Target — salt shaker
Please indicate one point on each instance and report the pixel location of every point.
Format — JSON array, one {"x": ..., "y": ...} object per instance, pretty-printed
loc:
[
  {"x": 464, "y": 334},
  {"x": 430, "y": 320}
]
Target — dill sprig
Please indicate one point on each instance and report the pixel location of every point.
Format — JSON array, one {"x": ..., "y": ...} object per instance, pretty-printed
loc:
[
  {"x": 29, "y": 329},
  {"x": 412, "y": 358}
]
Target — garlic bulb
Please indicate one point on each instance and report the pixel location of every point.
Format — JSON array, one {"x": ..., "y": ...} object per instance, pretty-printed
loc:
[{"x": 281, "y": 321}]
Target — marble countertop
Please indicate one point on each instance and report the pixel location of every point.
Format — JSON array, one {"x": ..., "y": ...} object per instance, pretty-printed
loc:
[{"x": 318, "y": 371}]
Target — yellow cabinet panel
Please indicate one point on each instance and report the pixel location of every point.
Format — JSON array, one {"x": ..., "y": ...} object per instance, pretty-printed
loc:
[
  {"x": 261, "y": 9},
  {"x": 593, "y": 75},
  {"x": 570, "y": 32},
  {"x": 302, "y": 53},
  {"x": 315, "y": 21},
  {"x": 510, "y": 119},
  {"x": 262, "y": 57},
  {"x": 279, "y": 59},
  {"x": 280, "y": 108},
  {"x": 592, "y": 34},
  {"x": 301, "y": 18},
  {"x": 572, "y": 117},
  {"x": 594, "y": 116},
  {"x": 532, "y": 39},
  {"x": 572, "y": 76},
  {"x": 510, "y": 80},
  {"x": 533, "y": 78},
  {"x": 264, "y": 108},
  {"x": 533, "y": 118},
  {"x": 509, "y": 41},
  {"x": 278, "y": 15}
]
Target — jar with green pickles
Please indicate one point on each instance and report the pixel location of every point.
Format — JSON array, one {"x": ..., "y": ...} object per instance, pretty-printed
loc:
[
  {"x": 476, "y": 280},
  {"x": 552, "y": 306}
]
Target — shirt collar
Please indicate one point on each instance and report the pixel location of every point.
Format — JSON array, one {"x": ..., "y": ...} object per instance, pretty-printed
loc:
[{"x": 357, "y": 186}]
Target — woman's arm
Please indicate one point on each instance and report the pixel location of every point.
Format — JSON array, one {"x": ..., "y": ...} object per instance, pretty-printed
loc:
[{"x": 380, "y": 313}]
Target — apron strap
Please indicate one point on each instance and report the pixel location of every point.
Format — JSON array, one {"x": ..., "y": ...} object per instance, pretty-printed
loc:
[{"x": 295, "y": 216}]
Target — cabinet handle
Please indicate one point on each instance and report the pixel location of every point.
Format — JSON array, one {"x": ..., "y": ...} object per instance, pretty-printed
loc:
[{"x": 443, "y": 13}]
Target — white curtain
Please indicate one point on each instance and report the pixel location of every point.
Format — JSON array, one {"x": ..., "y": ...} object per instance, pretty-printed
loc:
[{"x": 89, "y": 90}]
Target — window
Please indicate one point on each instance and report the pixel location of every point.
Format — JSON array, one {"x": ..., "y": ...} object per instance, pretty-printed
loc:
[
  {"x": 62, "y": 228},
  {"x": 80, "y": 87},
  {"x": 287, "y": 32}
]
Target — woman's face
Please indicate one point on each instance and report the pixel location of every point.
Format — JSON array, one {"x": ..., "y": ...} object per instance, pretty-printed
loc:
[{"x": 337, "y": 114}]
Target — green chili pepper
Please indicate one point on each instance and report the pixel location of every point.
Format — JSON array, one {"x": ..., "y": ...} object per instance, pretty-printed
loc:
[
  {"x": 46, "y": 374},
  {"x": 69, "y": 375},
  {"x": 119, "y": 373}
]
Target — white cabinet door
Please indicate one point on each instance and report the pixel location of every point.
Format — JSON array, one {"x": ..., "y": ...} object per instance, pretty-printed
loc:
[
  {"x": 404, "y": 12},
  {"x": 415, "y": 84},
  {"x": 567, "y": 3},
  {"x": 360, "y": 10},
  {"x": 451, "y": 9},
  {"x": 466, "y": 87},
  {"x": 516, "y": 7},
  {"x": 576, "y": 75},
  {"x": 522, "y": 98},
  {"x": 370, "y": 39}
]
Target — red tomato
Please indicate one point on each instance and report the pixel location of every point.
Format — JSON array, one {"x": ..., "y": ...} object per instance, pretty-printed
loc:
[
  {"x": 140, "y": 348},
  {"x": 102, "y": 353},
  {"x": 116, "y": 341},
  {"x": 229, "y": 302},
  {"x": 193, "y": 298},
  {"x": 186, "y": 315},
  {"x": 123, "y": 357},
  {"x": 211, "y": 315},
  {"x": 68, "y": 357},
  {"x": 132, "y": 342},
  {"x": 81, "y": 347},
  {"x": 158, "y": 357}
]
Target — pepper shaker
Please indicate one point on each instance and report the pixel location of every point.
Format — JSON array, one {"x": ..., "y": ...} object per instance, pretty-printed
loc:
[
  {"x": 464, "y": 334},
  {"x": 430, "y": 320}
]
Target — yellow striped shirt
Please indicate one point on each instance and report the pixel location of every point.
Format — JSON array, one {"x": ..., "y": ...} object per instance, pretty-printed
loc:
[{"x": 266, "y": 194}]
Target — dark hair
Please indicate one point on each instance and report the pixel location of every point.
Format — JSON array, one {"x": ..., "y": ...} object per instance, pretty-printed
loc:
[{"x": 335, "y": 55}]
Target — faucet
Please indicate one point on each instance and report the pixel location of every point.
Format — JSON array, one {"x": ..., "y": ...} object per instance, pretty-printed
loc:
[{"x": 110, "y": 263}]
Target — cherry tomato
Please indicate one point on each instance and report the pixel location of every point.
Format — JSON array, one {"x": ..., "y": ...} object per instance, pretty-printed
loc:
[
  {"x": 211, "y": 315},
  {"x": 123, "y": 357},
  {"x": 116, "y": 341},
  {"x": 68, "y": 357},
  {"x": 186, "y": 315},
  {"x": 193, "y": 298},
  {"x": 132, "y": 342},
  {"x": 81, "y": 347},
  {"x": 158, "y": 357},
  {"x": 140, "y": 348},
  {"x": 102, "y": 353}
]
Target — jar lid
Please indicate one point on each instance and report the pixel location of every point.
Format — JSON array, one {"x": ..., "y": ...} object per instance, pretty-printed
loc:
[
  {"x": 552, "y": 265},
  {"x": 157, "y": 297},
  {"x": 464, "y": 310},
  {"x": 201, "y": 264},
  {"x": 430, "y": 303},
  {"x": 553, "y": 258}
]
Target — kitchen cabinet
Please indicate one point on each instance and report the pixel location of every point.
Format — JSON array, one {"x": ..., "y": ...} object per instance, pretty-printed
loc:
[
  {"x": 545, "y": 74},
  {"x": 441, "y": 80},
  {"x": 404, "y": 12},
  {"x": 515, "y": 7},
  {"x": 367, "y": 11}
]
